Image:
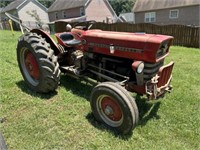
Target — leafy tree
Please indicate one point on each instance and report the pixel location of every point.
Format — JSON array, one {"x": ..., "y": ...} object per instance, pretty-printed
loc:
[
  {"x": 46, "y": 3},
  {"x": 122, "y": 6},
  {"x": 4, "y": 3}
]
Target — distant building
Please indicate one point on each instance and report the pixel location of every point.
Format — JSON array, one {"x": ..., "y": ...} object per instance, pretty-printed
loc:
[
  {"x": 20, "y": 9},
  {"x": 98, "y": 10},
  {"x": 1, "y": 25},
  {"x": 127, "y": 17},
  {"x": 1, "y": 9},
  {"x": 184, "y": 12}
]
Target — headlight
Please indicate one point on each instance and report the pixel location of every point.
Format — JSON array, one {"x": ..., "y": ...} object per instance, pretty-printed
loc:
[{"x": 138, "y": 66}]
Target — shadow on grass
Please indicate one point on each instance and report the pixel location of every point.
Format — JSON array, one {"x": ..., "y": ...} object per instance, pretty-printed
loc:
[
  {"x": 83, "y": 89},
  {"x": 78, "y": 88},
  {"x": 147, "y": 111},
  {"x": 24, "y": 87},
  {"x": 103, "y": 127}
]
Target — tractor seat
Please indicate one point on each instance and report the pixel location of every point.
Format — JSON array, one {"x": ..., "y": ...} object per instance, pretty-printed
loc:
[{"x": 69, "y": 39}]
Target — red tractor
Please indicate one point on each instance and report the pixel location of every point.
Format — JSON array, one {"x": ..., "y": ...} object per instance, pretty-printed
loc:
[{"x": 118, "y": 61}]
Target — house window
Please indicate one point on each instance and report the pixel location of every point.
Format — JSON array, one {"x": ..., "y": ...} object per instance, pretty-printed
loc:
[
  {"x": 150, "y": 17},
  {"x": 56, "y": 15},
  {"x": 173, "y": 14},
  {"x": 82, "y": 11},
  {"x": 64, "y": 14}
]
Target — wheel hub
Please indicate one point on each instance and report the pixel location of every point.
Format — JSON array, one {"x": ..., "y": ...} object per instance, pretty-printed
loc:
[
  {"x": 111, "y": 109},
  {"x": 108, "y": 111},
  {"x": 32, "y": 66}
]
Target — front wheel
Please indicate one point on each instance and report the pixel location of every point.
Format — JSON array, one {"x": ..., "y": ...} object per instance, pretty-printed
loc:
[
  {"x": 114, "y": 106},
  {"x": 37, "y": 63}
]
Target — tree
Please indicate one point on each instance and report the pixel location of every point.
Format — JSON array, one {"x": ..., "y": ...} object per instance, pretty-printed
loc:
[
  {"x": 4, "y": 3},
  {"x": 122, "y": 6},
  {"x": 46, "y": 3}
]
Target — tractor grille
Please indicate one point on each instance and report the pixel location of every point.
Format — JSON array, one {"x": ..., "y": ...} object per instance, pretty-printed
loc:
[
  {"x": 151, "y": 69},
  {"x": 165, "y": 74}
]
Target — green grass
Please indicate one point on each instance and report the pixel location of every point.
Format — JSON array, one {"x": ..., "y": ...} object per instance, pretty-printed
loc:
[{"x": 63, "y": 120}]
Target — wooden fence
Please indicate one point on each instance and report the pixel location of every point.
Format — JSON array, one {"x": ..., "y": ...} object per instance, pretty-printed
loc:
[
  {"x": 4, "y": 25},
  {"x": 183, "y": 35}
]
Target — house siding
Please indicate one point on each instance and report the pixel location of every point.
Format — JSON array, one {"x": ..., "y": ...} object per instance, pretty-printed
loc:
[
  {"x": 23, "y": 15},
  {"x": 98, "y": 10},
  {"x": 70, "y": 13},
  {"x": 188, "y": 15}
]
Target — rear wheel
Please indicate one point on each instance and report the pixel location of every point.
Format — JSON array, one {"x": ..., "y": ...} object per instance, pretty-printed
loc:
[
  {"x": 37, "y": 63},
  {"x": 114, "y": 106}
]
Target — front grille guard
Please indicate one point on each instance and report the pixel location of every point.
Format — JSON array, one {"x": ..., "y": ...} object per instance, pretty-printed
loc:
[{"x": 160, "y": 84}]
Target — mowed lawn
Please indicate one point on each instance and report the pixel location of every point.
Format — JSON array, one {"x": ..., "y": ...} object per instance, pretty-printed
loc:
[{"x": 63, "y": 120}]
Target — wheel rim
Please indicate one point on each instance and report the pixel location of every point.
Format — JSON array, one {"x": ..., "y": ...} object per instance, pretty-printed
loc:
[
  {"x": 109, "y": 110},
  {"x": 30, "y": 66}
]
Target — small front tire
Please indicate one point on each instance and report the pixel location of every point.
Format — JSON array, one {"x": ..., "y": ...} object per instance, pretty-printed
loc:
[{"x": 114, "y": 106}]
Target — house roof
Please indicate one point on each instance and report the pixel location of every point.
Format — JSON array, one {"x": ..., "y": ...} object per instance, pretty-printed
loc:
[
  {"x": 111, "y": 9},
  {"x": 75, "y": 19},
  {"x": 146, "y": 5},
  {"x": 13, "y": 5},
  {"x": 127, "y": 17},
  {"x": 16, "y": 4},
  {"x": 62, "y": 4}
]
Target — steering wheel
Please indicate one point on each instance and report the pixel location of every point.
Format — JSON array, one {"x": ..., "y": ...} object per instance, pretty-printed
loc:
[{"x": 84, "y": 25}]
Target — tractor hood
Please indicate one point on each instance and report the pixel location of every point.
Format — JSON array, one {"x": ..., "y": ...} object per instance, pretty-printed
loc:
[{"x": 136, "y": 46}]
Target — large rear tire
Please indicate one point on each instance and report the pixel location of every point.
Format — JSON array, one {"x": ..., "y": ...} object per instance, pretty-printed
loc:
[
  {"x": 37, "y": 63},
  {"x": 113, "y": 105}
]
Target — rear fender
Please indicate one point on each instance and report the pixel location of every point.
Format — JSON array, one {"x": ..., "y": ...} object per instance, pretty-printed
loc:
[{"x": 49, "y": 40}]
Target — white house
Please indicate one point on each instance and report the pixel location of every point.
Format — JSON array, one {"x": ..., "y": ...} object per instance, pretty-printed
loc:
[{"x": 22, "y": 10}]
